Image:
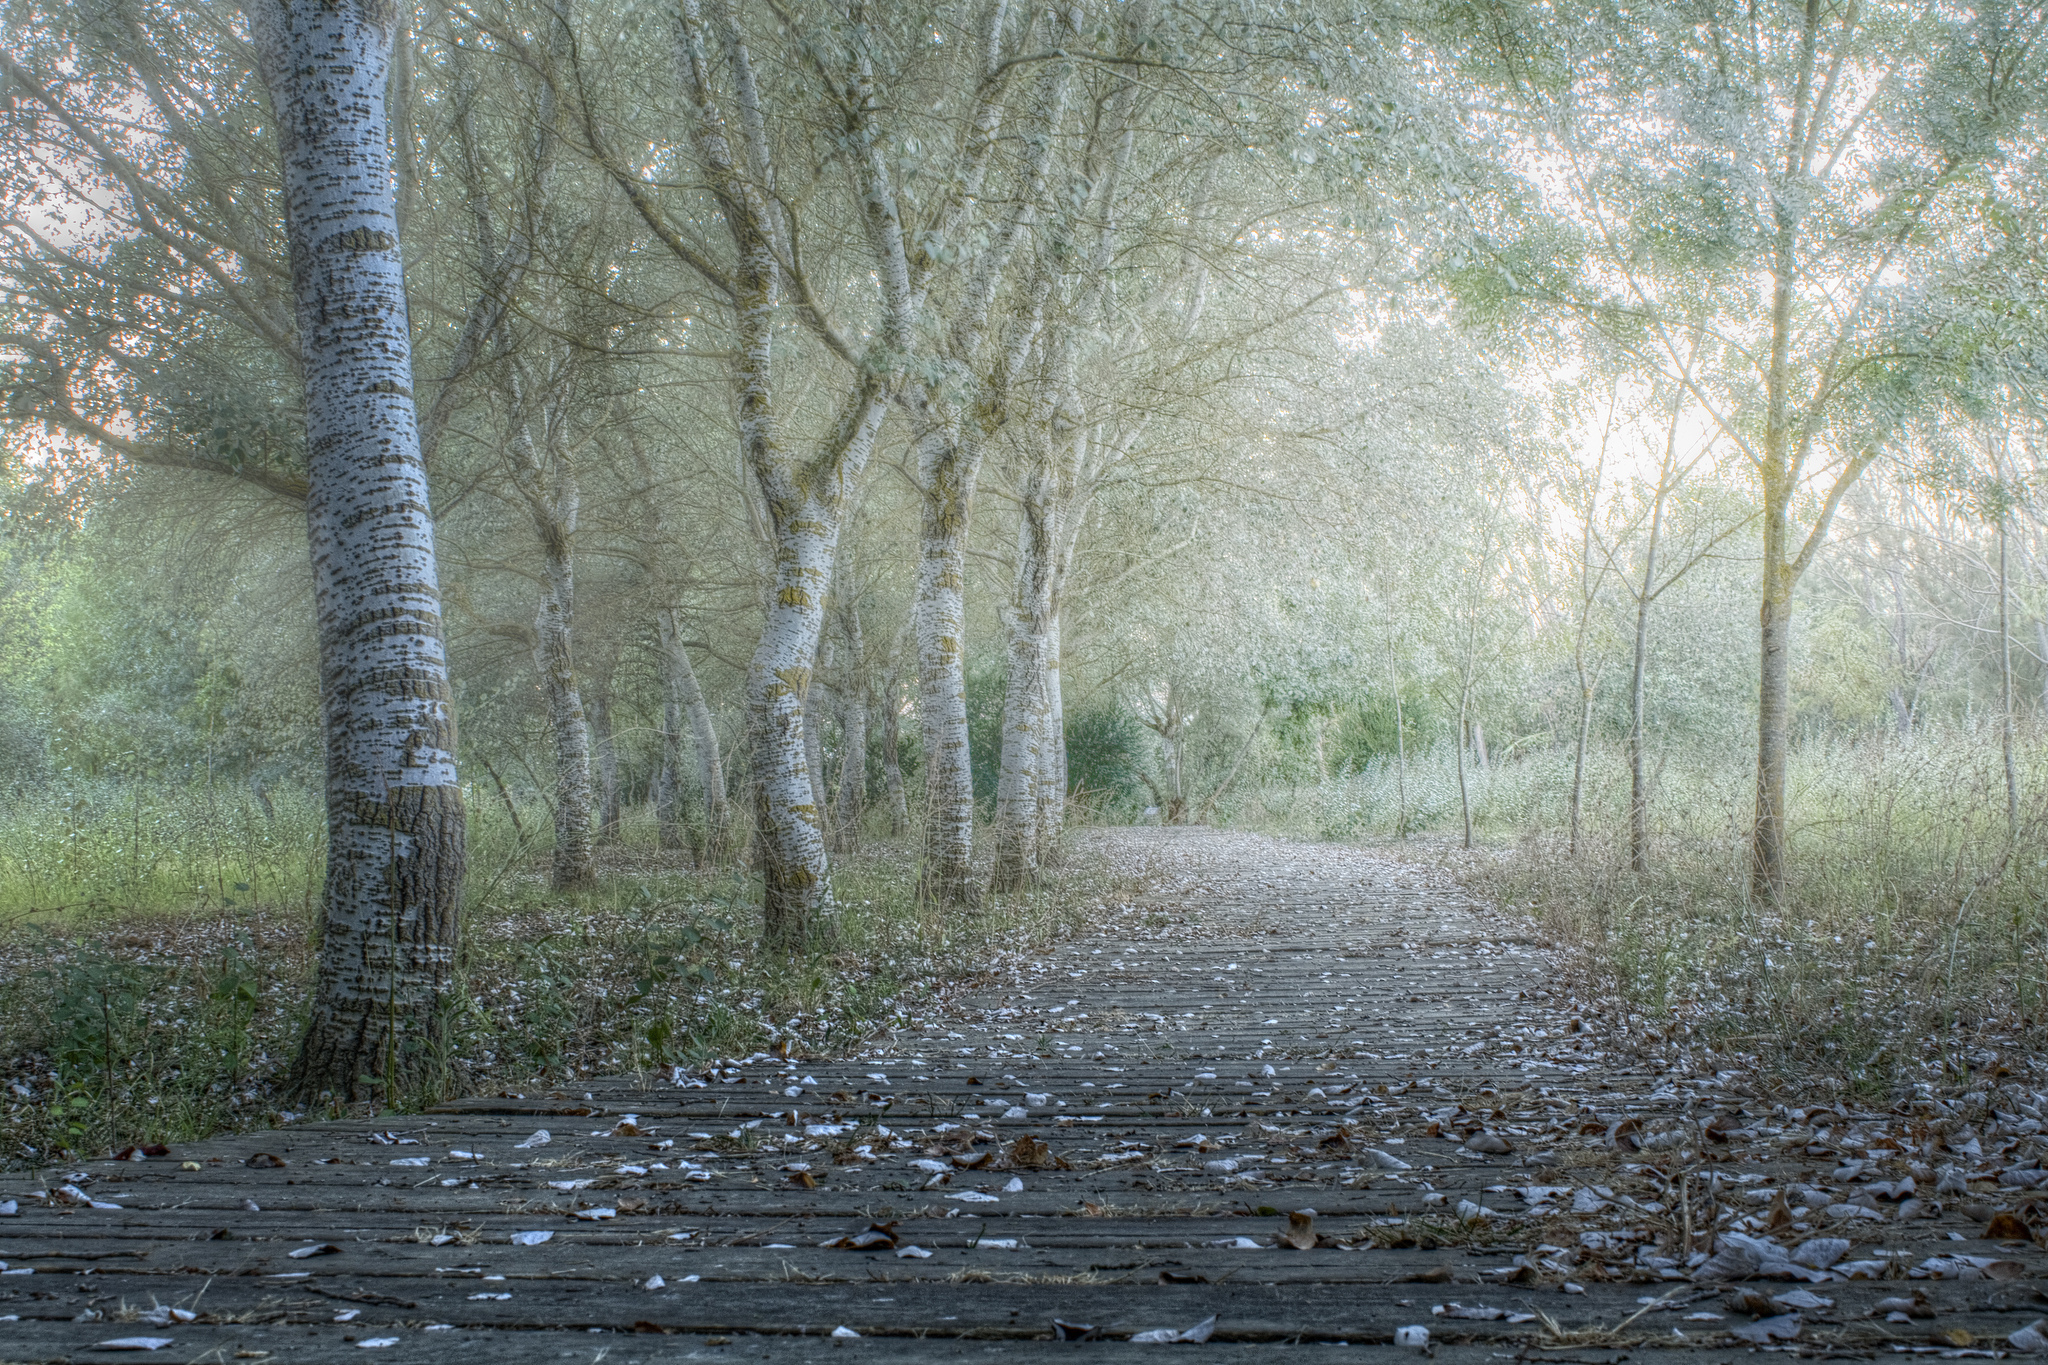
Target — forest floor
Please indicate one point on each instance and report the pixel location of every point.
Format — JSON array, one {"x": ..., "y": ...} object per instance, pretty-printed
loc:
[{"x": 1291, "y": 1095}]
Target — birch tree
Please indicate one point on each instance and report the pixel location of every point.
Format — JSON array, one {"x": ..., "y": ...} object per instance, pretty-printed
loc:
[
  {"x": 389, "y": 916},
  {"x": 1778, "y": 183}
]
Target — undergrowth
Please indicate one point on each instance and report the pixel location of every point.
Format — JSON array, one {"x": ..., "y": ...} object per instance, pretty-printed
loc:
[
  {"x": 1910, "y": 947},
  {"x": 157, "y": 1021}
]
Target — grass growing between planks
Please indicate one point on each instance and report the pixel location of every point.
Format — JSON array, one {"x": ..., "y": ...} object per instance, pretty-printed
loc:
[
  {"x": 1911, "y": 946},
  {"x": 162, "y": 1022}
]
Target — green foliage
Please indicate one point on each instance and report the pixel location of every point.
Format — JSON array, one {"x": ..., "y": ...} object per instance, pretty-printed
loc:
[
  {"x": 1105, "y": 746},
  {"x": 89, "y": 847}
]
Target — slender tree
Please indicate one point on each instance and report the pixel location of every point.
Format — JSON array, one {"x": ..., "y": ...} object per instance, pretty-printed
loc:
[{"x": 390, "y": 909}]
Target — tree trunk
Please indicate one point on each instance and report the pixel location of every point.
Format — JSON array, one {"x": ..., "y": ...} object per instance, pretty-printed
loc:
[
  {"x": 892, "y": 767},
  {"x": 2041, "y": 644},
  {"x": 1638, "y": 782},
  {"x": 607, "y": 766},
  {"x": 1464, "y": 795},
  {"x": 1025, "y": 699},
  {"x": 1579, "y": 760},
  {"x": 1774, "y": 710},
  {"x": 683, "y": 703},
  {"x": 674, "y": 829},
  {"x": 946, "y": 481},
  {"x": 2012, "y": 782},
  {"x": 574, "y": 867},
  {"x": 853, "y": 737},
  {"x": 1052, "y": 751},
  {"x": 1479, "y": 746},
  {"x": 1400, "y": 762},
  {"x": 818, "y": 705},
  {"x": 391, "y": 904},
  {"x": 789, "y": 829}
]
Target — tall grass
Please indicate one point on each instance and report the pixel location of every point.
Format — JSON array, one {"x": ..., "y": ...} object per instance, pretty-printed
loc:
[
  {"x": 160, "y": 953},
  {"x": 1911, "y": 943},
  {"x": 106, "y": 845}
]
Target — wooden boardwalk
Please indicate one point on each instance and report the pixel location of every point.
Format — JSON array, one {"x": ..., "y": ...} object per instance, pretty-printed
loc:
[{"x": 1123, "y": 1140}]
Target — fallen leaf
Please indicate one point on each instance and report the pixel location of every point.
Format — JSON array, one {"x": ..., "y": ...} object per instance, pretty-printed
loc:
[
  {"x": 804, "y": 1179},
  {"x": 264, "y": 1161},
  {"x": 1301, "y": 1231},
  {"x": 2029, "y": 1338},
  {"x": 322, "y": 1249},
  {"x": 1764, "y": 1331},
  {"x": 134, "y": 1344},
  {"x": 2007, "y": 1227},
  {"x": 1161, "y": 1336},
  {"x": 1074, "y": 1331}
]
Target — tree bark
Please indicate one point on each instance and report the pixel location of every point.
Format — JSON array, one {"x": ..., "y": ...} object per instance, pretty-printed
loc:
[
  {"x": 1052, "y": 751},
  {"x": 574, "y": 867},
  {"x": 2012, "y": 782},
  {"x": 391, "y": 903},
  {"x": 817, "y": 705},
  {"x": 1464, "y": 794},
  {"x": 1638, "y": 782},
  {"x": 682, "y": 703},
  {"x": 1400, "y": 760},
  {"x": 851, "y": 802},
  {"x": 1579, "y": 759},
  {"x": 1774, "y": 708},
  {"x": 892, "y": 767},
  {"x": 1026, "y": 701},
  {"x": 946, "y": 476},
  {"x": 554, "y": 501},
  {"x": 607, "y": 766}
]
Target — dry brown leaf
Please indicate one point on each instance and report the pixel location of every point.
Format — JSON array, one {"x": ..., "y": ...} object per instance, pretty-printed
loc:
[
  {"x": 1301, "y": 1232},
  {"x": 2007, "y": 1227}
]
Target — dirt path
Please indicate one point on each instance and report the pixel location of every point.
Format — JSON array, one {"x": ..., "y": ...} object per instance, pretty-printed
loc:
[{"x": 1301, "y": 1090}]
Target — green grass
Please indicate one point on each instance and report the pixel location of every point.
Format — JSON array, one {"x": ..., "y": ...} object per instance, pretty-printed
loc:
[
  {"x": 157, "y": 1009},
  {"x": 1911, "y": 944}
]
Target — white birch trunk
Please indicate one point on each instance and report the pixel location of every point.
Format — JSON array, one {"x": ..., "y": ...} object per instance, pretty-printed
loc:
[
  {"x": 946, "y": 480},
  {"x": 683, "y": 703},
  {"x": 673, "y": 827},
  {"x": 851, "y": 801},
  {"x": 805, "y": 499},
  {"x": 892, "y": 766},
  {"x": 574, "y": 867},
  {"x": 1026, "y": 699},
  {"x": 607, "y": 767},
  {"x": 554, "y": 501},
  {"x": 817, "y": 705},
  {"x": 391, "y": 903},
  {"x": 1052, "y": 771}
]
